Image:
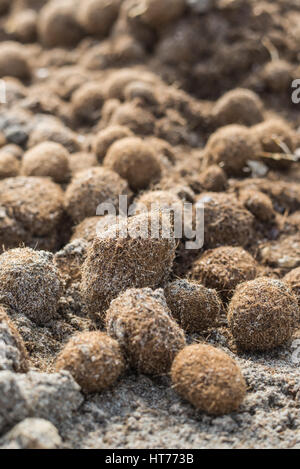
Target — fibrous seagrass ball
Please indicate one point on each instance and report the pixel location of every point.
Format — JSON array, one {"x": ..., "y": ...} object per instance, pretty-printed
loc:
[
  {"x": 213, "y": 179},
  {"x": 158, "y": 14},
  {"x": 29, "y": 283},
  {"x": 263, "y": 314},
  {"x": 276, "y": 136},
  {"x": 14, "y": 355},
  {"x": 9, "y": 164},
  {"x": 117, "y": 261},
  {"x": 48, "y": 159},
  {"x": 232, "y": 147},
  {"x": 226, "y": 221},
  {"x": 107, "y": 137},
  {"x": 87, "y": 102},
  {"x": 23, "y": 25},
  {"x": 293, "y": 280},
  {"x": 141, "y": 322},
  {"x": 224, "y": 268},
  {"x": 98, "y": 16},
  {"x": 239, "y": 106},
  {"x": 195, "y": 307},
  {"x": 258, "y": 203},
  {"x": 58, "y": 25},
  {"x": 137, "y": 118},
  {"x": 209, "y": 379},
  {"x": 278, "y": 75},
  {"x": 134, "y": 161},
  {"x": 91, "y": 227},
  {"x": 94, "y": 360},
  {"x": 13, "y": 60},
  {"x": 90, "y": 188},
  {"x": 31, "y": 212}
]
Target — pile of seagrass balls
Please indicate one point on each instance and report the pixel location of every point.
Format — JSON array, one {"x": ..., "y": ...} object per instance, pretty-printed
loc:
[{"x": 107, "y": 125}]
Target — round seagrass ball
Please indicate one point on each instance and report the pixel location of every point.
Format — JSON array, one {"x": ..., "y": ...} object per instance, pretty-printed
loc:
[
  {"x": 263, "y": 314},
  {"x": 209, "y": 379},
  {"x": 195, "y": 307},
  {"x": 94, "y": 360}
]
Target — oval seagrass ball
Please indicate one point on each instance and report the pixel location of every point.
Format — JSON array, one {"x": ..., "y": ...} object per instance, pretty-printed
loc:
[
  {"x": 209, "y": 379},
  {"x": 94, "y": 360},
  {"x": 263, "y": 314},
  {"x": 141, "y": 322},
  {"x": 30, "y": 283}
]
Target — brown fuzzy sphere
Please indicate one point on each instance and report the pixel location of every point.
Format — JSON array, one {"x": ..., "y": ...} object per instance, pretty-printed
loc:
[
  {"x": 232, "y": 147},
  {"x": 58, "y": 26},
  {"x": 224, "y": 268},
  {"x": 98, "y": 16},
  {"x": 258, "y": 203},
  {"x": 23, "y": 26},
  {"x": 32, "y": 212},
  {"x": 209, "y": 379},
  {"x": 293, "y": 280},
  {"x": 30, "y": 284},
  {"x": 213, "y": 179},
  {"x": 107, "y": 137},
  {"x": 276, "y": 136},
  {"x": 239, "y": 106},
  {"x": 48, "y": 159},
  {"x": 87, "y": 102},
  {"x": 8, "y": 332},
  {"x": 13, "y": 61},
  {"x": 226, "y": 221},
  {"x": 69, "y": 261},
  {"x": 278, "y": 75},
  {"x": 138, "y": 119},
  {"x": 134, "y": 161},
  {"x": 9, "y": 164},
  {"x": 158, "y": 14},
  {"x": 80, "y": 161},
  {"x": 94, "y": 360},
  {"x": 140, "y": 321},
  {"x": 195, "y": 307},
  {"x": 115, "y": 263},
  {"x": 263, "y": 314},
  {"x": 120, "y": 79},
  {"x": 90, "y": 188}
]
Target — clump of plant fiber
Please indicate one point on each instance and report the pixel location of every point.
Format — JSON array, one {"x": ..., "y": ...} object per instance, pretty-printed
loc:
[
  {"x": 117, "y": 261},
  {"x": 226, "y": 221},
  {"x": 209, "y": 379},
  {"x": 263, "y": 314},
  {"x": 105, "y": 138},
  {"x": 48, "y": 159},
  {"x": 94, "y": 360},
  {"x": 239, "y": 106},
  {"x": 30, "y": 283},
  {"x": 134, "y": 161},
  {"x": 195, "y": 307},
  {"x": 224, "y": 268},
  {"x": 140, "y": 321},
  {"x": 232, "y": 147},
  {"x": 90, "y": 188}
]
